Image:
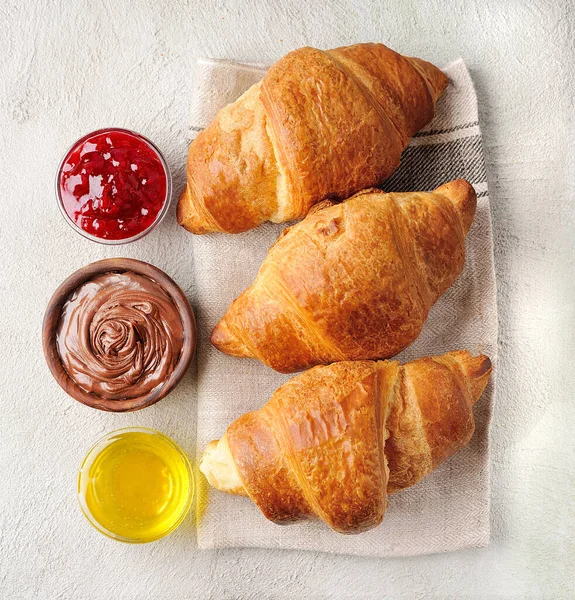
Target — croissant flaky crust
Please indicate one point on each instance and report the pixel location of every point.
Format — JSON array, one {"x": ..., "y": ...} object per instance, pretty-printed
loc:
[
  {"x": 320, "y": 124},
  {"x": 332, "y": 442},
  {"x": 352, "y": 281}
]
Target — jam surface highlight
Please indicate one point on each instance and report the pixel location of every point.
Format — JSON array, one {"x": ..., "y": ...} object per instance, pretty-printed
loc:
[{"x": 113, "y": 185}]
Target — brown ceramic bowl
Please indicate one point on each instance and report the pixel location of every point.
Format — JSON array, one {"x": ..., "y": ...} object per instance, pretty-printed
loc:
[{"x": 52, "y": 319}]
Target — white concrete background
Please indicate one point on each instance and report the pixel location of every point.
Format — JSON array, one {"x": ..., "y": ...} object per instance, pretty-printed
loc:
[{"x": 69, "y": 67}]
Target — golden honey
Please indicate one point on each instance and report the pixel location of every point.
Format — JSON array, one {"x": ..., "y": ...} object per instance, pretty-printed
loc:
[{"x": 135, "y": 485}]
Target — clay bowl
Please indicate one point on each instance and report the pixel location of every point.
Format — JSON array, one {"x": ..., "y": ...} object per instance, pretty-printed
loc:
[{"x": 52, "y": 318}]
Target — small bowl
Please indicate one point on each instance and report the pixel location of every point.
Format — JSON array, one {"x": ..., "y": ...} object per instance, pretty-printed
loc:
[
  {"x": 161, "y": 214},
  {"x": 52, "y": 319},
  {"x": 84, "y": 482}
]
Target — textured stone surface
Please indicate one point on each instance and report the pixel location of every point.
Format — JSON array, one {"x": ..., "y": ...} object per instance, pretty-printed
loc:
[{"x": 70, "y": 67}]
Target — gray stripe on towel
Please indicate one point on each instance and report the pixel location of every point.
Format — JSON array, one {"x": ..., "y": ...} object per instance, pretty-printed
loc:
[
  {"x": 450, "y": 130},
  {"x": 427, "y": 167}
]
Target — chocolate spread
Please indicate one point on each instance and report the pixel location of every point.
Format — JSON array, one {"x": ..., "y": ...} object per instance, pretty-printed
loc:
[{"x": 120, "y": 335}]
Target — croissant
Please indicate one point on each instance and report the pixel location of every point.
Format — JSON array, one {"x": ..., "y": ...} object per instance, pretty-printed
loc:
[
  {"x": 352, "y": 281},
  {"x": 332, "y": 442},
  {"x": 319, "y": 124}
]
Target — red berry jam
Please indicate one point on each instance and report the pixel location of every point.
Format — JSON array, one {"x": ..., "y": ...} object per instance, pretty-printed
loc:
[{"x": 113, "y": 184}]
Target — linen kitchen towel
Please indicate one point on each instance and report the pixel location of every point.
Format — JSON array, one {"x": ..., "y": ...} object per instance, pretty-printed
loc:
[{"x": 449, "y": 509}]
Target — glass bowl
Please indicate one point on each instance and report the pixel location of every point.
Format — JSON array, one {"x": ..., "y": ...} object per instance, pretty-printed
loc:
[
  {"x": 135, "y": 485},
  {"x": 161, "y": 214}
]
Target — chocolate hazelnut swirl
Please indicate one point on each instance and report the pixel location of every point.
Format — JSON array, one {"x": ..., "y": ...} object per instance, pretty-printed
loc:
[{"x": 120, "y": 335}]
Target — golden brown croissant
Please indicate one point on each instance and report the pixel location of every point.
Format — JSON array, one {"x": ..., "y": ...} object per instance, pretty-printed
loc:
[
  {"x": 320, "y": 124},
  {"x": 332, "y": 442},
  {"x": 352, "y": 281}
]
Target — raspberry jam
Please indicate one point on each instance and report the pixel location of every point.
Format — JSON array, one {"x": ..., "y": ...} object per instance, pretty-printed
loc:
[{"x": 114, "y": 185}]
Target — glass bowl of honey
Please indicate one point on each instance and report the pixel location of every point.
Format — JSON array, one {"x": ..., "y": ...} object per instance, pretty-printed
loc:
[{"x": 135, "y": 485}]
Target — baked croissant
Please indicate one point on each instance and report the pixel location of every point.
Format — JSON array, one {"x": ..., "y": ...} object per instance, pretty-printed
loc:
[
  {"x": 320, "y": 124},
  {"x": 332, "y": 442},
  {"x": 352, "y": 281}
]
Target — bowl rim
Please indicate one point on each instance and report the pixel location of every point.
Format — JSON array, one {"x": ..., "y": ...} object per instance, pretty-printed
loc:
[
  {"x": 103, "y": 442},
  {"x": 52, "y": 320},
  {"x": 161, "y": 213}
]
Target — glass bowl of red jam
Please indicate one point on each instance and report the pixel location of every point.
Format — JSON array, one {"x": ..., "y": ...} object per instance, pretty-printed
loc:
[{"x": 113, "y": 186}]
